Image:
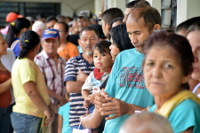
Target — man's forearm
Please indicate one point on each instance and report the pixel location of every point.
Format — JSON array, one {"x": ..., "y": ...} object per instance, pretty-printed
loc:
[{"x": 74, "y": 86}]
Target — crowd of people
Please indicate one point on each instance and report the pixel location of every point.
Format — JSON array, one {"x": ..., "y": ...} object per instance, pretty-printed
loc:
[{"x": 125, "y": 74}]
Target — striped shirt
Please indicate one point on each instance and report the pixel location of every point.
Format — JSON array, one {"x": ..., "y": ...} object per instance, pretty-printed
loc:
[
  {"x": 76, "y": 100},
  {"x": 54, "y": 76}
]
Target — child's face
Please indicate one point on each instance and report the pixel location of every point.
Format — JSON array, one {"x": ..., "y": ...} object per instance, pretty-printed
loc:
[{"x": 102, "y": 61}]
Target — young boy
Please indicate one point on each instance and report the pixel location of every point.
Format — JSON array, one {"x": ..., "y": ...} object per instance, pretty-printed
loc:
[{"x": 103, "y": 63}]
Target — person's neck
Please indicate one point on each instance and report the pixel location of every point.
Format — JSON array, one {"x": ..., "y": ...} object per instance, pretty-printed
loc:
[
  {"x": 63, "y": 41},
  {"x": 160, "y": 100},
  {"x": 88, "y": 58},
  {"x": 30, "y": 56},
  {"x": 104, "y": 70},
  {"x": 53, "y": 56}
]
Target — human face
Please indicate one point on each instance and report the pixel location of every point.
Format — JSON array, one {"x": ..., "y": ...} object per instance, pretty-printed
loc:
[
  {"x": 50, "y": 24},
  {"x": 196, "y": 65},
  {"x": 102, "y": 61},
  {"x": 105, "y": 28},
  {"x": 3, "y": 46},
  {"x": 194, "y": 40},
  {"x": 50, "y": 46},
  {"x": 62, "y": 32},
  {"x": 87, "y": 41},
  {"x": 163, "y": 72},
  {"x": 138, "y": 32},
  {"x": 82, "y": 23},
  {"x": 114, "y": 50},
  {"x": 126, "y": 13}
]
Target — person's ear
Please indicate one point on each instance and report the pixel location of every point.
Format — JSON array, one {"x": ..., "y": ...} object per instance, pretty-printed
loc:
[{"x": 156, "y": 27}]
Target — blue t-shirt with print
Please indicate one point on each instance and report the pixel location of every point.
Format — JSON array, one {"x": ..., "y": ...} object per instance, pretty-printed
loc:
[
  {"x": 126, "y": 83},
  {"x": 183, "y": 116}
]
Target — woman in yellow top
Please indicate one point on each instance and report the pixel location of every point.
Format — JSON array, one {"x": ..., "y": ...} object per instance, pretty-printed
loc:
[
  {"x": 30, "y": 90},
  {"x": 167, "y": 70}
]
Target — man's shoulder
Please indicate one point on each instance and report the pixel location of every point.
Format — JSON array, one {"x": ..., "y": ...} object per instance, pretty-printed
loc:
[
  {"x": 40, "y": 56},
  {"x": 130, "y": 53},
  {"x": 75, "y": 59}
]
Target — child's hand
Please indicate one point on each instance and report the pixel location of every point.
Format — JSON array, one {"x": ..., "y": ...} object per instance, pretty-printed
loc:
[
  {"x": 91, "y": 98},
  {"x": 86, "y": 103}
]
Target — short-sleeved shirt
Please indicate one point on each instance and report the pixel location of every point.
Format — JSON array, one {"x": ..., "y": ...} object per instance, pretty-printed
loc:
[
  {"x": 92, "y": 84},
  {"x": 76, "y": 100},
  {"x": 69, "y": 51},
  {"x": 8, "y": 59},
  {"x": 23, "y": 71},
  {"x": 54, "y": 75},
  {"x": 126, "y": 83},
  {"x": 185, "y": 115},
  {"x": 16, "y": 47},
  {"x": 64, "y": 112}
]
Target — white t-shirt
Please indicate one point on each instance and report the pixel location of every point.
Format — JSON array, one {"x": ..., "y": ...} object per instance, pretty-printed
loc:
[{"x": 8, "y": 59}]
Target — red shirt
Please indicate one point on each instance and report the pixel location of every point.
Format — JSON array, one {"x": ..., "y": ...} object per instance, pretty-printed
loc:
[{"x": 5, "y": 97}]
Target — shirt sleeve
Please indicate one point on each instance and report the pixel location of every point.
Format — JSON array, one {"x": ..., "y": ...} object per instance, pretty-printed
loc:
[
  {"x": 88, "y": 83},
  {"x": 60, "y": 110},
  {"x": 28, "y": 72},
  {"x": 185, "y": 115},
  {"x": 70, "y": 71},
  {"x": 38, "y": 60}
]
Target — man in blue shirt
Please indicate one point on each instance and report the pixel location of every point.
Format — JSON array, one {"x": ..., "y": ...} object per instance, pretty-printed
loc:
[{"x": 125, "y": 91}]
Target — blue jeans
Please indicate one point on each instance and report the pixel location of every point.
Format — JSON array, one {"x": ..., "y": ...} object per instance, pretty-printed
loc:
[
  {"x": 23, "y": 123},
  {"x": 5, "y": 121}
]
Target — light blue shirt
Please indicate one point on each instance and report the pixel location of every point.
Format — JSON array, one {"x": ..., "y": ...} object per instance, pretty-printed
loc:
[
  {"x": 126, "y": 83},
  {"x": 183, "y": 116},
  {"x": 64, "y": 112}
]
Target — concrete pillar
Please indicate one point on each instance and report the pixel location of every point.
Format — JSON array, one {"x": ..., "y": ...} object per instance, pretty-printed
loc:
[
  {"x": 156, "y": 4},
  {"x": 187, "y": 9}
]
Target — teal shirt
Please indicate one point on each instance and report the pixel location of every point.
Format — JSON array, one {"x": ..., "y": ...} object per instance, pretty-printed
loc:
[
  {"x": 64, "y": 112},
  {"x": 126, "y": 83},
  {"x": 183, "y": 116}
]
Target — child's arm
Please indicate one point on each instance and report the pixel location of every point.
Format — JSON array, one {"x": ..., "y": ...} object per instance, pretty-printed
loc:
[
  {"x": 60, "y": 121},
  {"x": 85, "y": 94}
]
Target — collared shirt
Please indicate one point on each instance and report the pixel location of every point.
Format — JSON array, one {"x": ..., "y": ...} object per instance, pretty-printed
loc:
[
  {"x": 53, "y": 75},
  {"x": 76, "y": 100}
]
